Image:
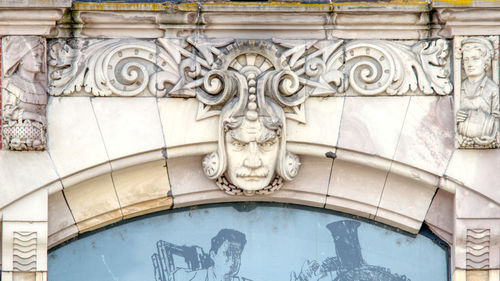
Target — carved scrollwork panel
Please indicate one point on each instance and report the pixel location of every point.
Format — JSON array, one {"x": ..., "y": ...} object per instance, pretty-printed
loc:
[
  {"x": 477, "y": 103},
  {"x": 396, "y": 68},
  {"x": 119, "y": 67}
]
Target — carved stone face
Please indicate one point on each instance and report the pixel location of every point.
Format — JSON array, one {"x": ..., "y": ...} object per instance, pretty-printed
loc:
[
  {"x": 32, "y": 61},
  {"x": 252, "y": 155},
  {"x": 474, "y": 62}
]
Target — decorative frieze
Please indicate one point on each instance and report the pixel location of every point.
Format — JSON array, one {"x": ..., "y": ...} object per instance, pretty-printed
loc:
[
  {"x": 117, "y": 67},
  {"x": 131, "y": 67},
  {"x": 24, "y": 95},
  {"x": 477, "y": 104}
]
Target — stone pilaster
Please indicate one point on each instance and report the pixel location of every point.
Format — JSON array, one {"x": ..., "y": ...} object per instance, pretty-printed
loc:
[{"x": 24, "y": 239}]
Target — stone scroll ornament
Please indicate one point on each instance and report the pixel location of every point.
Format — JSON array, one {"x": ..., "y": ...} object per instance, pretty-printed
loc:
[
  {"x": 477, "y": 103},
  {"x": 253, "y": 86},
  {"x": 24, "y": 96}
]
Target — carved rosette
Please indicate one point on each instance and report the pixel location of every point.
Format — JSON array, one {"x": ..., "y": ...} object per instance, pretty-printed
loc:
[
  {"x": 24, "y": 96},
  {"x": 254, "y": 86},
  {"x": 477, "y": 103}
]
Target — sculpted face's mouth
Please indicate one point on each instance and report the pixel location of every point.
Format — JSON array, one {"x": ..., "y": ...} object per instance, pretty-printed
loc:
[{"x": 252, "y": 174}]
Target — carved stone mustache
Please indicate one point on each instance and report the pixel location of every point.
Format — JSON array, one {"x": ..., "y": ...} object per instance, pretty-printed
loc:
[{"x": 260, "y": 172}]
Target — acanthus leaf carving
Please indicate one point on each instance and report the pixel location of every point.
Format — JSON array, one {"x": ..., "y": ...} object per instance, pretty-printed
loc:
[
  {"x": 122, "y": 67},
  {"x": 394, "y": 68}
]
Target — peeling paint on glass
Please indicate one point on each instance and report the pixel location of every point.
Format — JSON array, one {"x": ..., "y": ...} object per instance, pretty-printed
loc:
[{"x": 266, "y": 242}]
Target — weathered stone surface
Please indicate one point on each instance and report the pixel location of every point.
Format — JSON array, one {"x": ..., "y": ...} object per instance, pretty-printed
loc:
[
  {"x": 373, "y": 126},
  {"x": 356, "y": 186},
  {"x": 143, "y": 188},
  {"x": 128, "y": 126},
  {"x": 93, "y": 203},
  {"x": 75, "y": 141},
  {"x": 22, "y": 173},
  {"x": 61, "y": 224},
  {"x": 426, "y": 140}
]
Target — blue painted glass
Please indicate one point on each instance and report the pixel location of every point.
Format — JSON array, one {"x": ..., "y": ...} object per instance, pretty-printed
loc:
[{"x": 263, "y": 242}]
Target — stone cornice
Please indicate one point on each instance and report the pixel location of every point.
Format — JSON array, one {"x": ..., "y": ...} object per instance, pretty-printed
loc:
[
  {"x": 449, "y": 22},
  {"x": 417, "y": 20},
  {"x": 39, "y": 19}
]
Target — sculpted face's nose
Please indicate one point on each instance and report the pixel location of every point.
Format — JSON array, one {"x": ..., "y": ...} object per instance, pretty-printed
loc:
[{"x": 252, "y": 159}]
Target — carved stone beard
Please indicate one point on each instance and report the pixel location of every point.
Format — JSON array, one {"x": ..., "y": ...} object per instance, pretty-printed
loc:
[{"x": 252, "y": 154}]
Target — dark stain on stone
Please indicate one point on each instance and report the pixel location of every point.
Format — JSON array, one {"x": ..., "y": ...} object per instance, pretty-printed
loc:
[{"x": 331, "y": 154}]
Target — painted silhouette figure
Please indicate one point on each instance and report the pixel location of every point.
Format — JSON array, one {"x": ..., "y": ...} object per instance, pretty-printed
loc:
[
  {"x": 222, "y": 263},
  {"x": 349, "y": 264}
]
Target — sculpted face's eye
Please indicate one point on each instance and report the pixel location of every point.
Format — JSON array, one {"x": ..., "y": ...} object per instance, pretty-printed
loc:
[
  {"x": 238, "y": 145},
  {"x": 267, "y": 144}
]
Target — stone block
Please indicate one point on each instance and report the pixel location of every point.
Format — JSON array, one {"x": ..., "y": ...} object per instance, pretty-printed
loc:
[
  {"x": 74, "y": 141},
  {"x": 61, "y": 223},
  {"x": 143, "y": 188},
  {"x": 24, "y": 172},
  {"x": 310, "y": 186},
  {"x": 32, "y": 207},
  {"x": 190, "y": 186},
  {"x": 62, "y": 236},
  {"x": 372, "y": 124},
  {"x": 322, "y": 125},
  {"x": 405, "y": 201},
  {"x": 477, "y": 169},
  {"x": 181, "y": 129},
  {"x": 473, "y": 205},
  {"x": 440, "y": 216},
  {"x": 93, "y": 203},
  {"x": 128, "y": 125},
  {"x": 356, "y": 187},
  {"x": 426, "y": 140}
]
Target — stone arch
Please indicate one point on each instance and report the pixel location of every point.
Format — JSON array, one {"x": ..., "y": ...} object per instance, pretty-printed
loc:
[{"x": 353, "y": 182}]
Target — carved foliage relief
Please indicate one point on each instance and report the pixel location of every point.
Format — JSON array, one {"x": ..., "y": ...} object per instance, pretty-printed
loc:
[
  {"x": 252, "y": 85},
  {"x": 477, "y": 104},
  {"x": 131, "y": 67},
  {"x": 24, "y": 95}
]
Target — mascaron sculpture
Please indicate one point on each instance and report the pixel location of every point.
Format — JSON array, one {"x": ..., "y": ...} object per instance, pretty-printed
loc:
[
  {"x": 478, "y": 103},
  {"x": 23, "y": 92},
  {"x": 254, "y": 86}
]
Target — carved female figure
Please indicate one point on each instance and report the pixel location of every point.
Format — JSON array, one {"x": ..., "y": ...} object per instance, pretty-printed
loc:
[
  {"x": 24, "y": 95},
  {"x": 477, "y": 117}
]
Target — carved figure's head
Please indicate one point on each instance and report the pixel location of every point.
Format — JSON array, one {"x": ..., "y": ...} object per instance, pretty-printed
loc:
[
  {"x": 252, "y": 142},
  {"x": 225, "y": 252},
  {"x": 476, "y": 55},
  {"x": 23, "y": 52}
]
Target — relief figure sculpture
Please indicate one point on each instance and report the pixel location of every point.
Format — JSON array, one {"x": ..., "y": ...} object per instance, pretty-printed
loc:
[
  {"x": 23, "y": 92},
  {"x": 477, "y": 116},
  {"x": 222, "y": 263}
]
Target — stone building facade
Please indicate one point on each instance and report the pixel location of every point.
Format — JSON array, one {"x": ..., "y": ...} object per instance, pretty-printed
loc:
[{"x": 383, "y": 110}]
